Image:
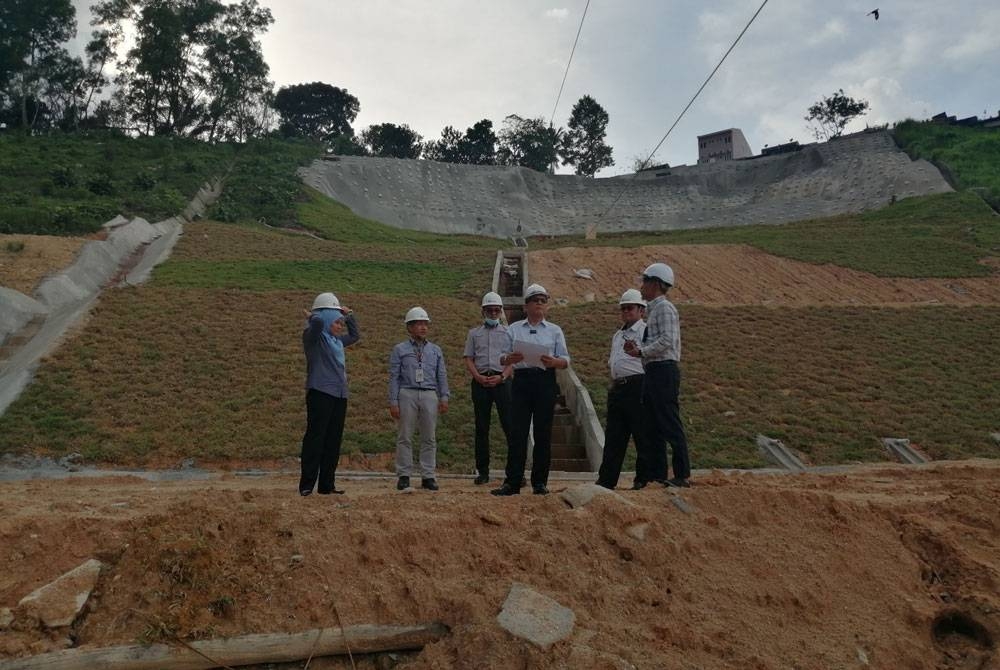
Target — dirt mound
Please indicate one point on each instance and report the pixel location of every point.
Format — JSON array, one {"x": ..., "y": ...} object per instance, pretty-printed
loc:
[
  {"x": 887, "y": 566},
  {"x": 735, "y": 274}
]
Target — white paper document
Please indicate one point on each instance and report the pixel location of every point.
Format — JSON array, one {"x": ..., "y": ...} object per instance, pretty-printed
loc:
[{"x": 532, "y": 352}]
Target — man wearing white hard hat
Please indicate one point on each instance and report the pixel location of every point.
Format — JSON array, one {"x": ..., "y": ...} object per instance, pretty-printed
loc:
[
  {"x": 330, "y": 328},
  {"x": 418, "y": 392},
  {"x": 490, "y": 379},
  {"x": 660, "y": 350},
  {"x": 533, "y": 393},
  {"x": 624, "y": 395}
]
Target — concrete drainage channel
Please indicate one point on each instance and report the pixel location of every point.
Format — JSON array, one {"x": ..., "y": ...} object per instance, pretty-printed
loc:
[{"x": 31, "y": 327}]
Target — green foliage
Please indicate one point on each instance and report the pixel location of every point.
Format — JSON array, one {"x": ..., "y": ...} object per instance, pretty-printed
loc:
[
  {"x": 529, "y": 143},
  {"x": 476, "y": 147},
  {"x": 583, "y": 143},
  {"x": 389, "y": 140},
  {"x": 15, "y": 246},
  {"x": 969, "y": 156},
  {"x": 942, "y": 235},
  {"x": 63, "y": 184},
  {"x": 316, "y": 110},
  {"x": 832, "y": 114}
]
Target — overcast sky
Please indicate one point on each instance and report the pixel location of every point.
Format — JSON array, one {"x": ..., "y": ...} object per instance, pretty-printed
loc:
[{"x": 453, "y": 62}]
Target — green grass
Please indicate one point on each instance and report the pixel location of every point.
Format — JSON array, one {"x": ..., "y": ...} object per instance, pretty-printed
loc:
[
  {"x": 386, "y": 277},
  {"x": 971, "y": 156},
  {"x": 71, "y": 184},
  {"x": 942, "y": 235}
]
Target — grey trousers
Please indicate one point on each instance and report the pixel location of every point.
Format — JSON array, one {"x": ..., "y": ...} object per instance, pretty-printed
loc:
[{"x": 417, "y": 409}]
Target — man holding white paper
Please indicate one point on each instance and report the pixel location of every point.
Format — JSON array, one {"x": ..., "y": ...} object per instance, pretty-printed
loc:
[{"x": 537, "y": 350}]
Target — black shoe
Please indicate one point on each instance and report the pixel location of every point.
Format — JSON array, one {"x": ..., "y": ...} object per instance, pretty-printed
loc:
[
  {"x": 638, "y": 485},
  {"x": 482, "y": 479},
  {"x": 305, "y": 492},
  {"x": 539, "y": 490},
  {"x": 334, "y": 490},
  {"x": 505, "y": 490},
  {"x": 678, "y": 483},
  {"x": 429, "y": 484},
  {"x": 403, "y": 483}
]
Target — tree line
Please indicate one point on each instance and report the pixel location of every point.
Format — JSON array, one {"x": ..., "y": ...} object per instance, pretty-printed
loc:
[{"x": 196, "y": 69}]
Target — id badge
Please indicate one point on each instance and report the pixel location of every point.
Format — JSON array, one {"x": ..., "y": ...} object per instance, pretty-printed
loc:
[{"x": 418, "y": 375}]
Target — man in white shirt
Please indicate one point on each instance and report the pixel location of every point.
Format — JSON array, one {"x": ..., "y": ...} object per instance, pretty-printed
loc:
[
  {"x": 533, "y": 394},
  {"x": 625, "y": 396}
]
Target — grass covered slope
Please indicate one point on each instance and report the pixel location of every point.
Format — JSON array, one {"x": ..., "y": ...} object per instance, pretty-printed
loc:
[
  {"x": 71, "y": 184},
  {"x": 944, "y": 235},
  {"x": 971, "y": 156}
]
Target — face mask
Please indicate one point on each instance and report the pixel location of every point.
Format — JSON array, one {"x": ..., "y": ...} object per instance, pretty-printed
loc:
[{"x": 492, "y": 322}]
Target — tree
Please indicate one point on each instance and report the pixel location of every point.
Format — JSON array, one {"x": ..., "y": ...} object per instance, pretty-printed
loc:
[
  {"x": 831, "y": 115},
  {"x": 583, "y": 143},
  {"x": 196, "y": 67},
  {"x": 316, "y": 110},
  {"x": 391, "y": 141},
  {"x": 476, "y": 147},
  {"x": 530, "y": 143},
  {"x": 31, "y": 32}
]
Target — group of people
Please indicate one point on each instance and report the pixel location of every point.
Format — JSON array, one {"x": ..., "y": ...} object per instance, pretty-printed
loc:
[{"x": 512, "y": 368}]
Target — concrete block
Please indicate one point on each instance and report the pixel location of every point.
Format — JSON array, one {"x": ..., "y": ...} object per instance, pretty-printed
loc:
[
  {"x": 58, "y": 603},
  {"x": 16, "y": 310},
  {"x": 580, "y": 496},
  {"x": 535, "y": 617}
]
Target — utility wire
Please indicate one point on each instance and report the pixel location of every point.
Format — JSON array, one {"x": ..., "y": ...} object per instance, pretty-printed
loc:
[
  {"x": 688, "y": 106},
  {"x": 566, "y": 73}
]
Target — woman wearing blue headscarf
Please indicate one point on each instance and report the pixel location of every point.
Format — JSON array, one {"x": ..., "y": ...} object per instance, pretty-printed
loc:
[{"x": 323, "y": 341}]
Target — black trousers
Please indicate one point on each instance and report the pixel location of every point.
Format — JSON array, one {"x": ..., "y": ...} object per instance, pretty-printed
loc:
[
  {"x": 533, "y": 396},
  {"x": 483, "y": 400},
  {"x": 661, "y": 413},
  {"x": 624, "y": 422},
  {"x": 321, "y": 444}
]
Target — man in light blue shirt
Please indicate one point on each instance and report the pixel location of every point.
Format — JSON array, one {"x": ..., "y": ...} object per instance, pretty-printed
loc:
[
  {"x": 534, "y": 392},
  {"x": 418, "y": 392}
]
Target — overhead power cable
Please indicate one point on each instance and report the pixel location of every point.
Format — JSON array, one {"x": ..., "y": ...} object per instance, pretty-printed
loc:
[
  {"x": 568, "y": 63},
  {"x": 690, "y": 102}
]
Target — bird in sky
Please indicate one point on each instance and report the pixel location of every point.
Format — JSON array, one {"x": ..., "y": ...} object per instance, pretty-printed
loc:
[{"x": 874, "y": 13}]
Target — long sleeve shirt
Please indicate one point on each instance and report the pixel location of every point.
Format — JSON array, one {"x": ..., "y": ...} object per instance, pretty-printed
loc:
[
  {"x": 620, "y": 363},
  {"x": 662, "y": 340},
  {"x": 417, "y": 365},
  {"x": 323, "y": 371},
  {"x": 544, "y": 333}
]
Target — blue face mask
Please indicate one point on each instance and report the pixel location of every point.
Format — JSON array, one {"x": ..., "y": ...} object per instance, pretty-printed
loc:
[{"x": 492, "y": 322}]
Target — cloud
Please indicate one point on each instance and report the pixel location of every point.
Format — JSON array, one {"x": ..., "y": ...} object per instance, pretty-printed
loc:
[
  {"x": 557, "y": 13},
  {"x": 979, "y": 42}
]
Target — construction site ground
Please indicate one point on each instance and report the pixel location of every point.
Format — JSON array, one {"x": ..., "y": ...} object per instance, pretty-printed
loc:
[{"x": 873, "y": 566}]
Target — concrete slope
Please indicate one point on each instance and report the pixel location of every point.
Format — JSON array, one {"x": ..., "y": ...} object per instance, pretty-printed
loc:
[{"x": 850, "y": 174}]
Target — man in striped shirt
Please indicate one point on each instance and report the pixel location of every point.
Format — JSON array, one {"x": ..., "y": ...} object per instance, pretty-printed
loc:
[{"x": 661, "y": 354}]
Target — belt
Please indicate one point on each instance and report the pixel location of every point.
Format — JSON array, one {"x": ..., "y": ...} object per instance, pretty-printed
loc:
[
  {"x": 491, "y": 373},
  {"x": 416, "y": 388},
  {"x": 622, "y": 381},
  {"x": 532, "y": 372}
]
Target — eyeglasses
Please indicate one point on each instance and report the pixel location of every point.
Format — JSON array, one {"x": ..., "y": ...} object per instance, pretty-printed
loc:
[{"x": 539, "y": 299}]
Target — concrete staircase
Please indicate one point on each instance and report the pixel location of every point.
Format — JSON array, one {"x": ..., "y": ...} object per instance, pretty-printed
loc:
[{"x": 568, "y": 451}]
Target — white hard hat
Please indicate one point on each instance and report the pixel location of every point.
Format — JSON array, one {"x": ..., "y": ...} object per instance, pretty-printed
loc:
[
  {"x": 417, "y": 314},
  {"x": 326, "y": 301},
  {"x": 660, "y": 271},
  {"x": 535, "y": 289},
  {"x": 492, "y": 299},
  {"x": 632, "y": 297}
]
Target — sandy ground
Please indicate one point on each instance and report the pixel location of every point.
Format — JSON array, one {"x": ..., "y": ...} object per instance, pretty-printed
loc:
[
  {"x": 733, "y": 274},
  {"x": 41, "y": 255},
  {"x": 876, "y": 566}
]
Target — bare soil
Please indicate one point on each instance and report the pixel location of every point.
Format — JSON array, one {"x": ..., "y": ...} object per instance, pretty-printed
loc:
[
  {"x": 41, "y": 256},
  {"x": 878, "y": 566},
  {"x": 735, "y": 274}
]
